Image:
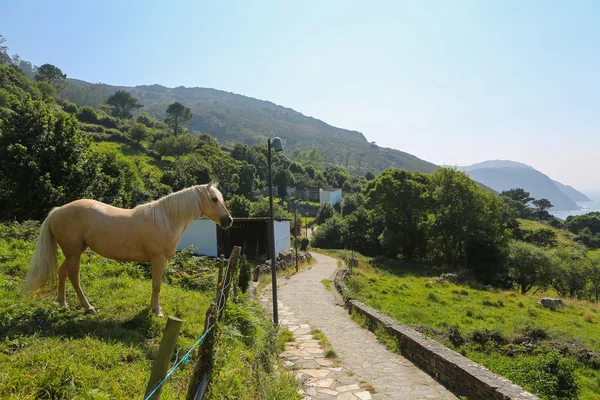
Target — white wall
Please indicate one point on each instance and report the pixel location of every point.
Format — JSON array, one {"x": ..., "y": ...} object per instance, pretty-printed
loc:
[
  {"x": 282, "y": 236},
  {"x": 328, "y": 196},
  {"x": 201, "y": 233}
]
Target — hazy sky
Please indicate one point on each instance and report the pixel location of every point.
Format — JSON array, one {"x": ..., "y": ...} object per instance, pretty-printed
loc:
[{"x": 452, "y": 82}]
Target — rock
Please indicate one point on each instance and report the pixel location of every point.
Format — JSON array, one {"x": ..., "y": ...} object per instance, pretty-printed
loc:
[
  {"x": 447, "y": 277},
  {"x": 552, "y": 304}
]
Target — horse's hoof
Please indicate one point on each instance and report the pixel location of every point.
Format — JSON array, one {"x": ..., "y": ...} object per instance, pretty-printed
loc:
[
  {"x": 90, "y": 310},
  {"x": 158, "y": 313}
]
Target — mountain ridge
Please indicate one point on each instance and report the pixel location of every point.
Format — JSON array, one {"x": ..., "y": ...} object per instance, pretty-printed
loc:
[
  {"x": 231, "y": 117},
  {"x": 505, "y": 175}
]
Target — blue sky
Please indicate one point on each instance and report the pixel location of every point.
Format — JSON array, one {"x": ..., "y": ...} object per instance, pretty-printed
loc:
[{"x": 453, "y": 82}]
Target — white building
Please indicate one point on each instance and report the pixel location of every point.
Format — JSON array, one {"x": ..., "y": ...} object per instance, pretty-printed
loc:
[
  {"x": 333, "y": 196},
  {"x": 250, "y": 233}
]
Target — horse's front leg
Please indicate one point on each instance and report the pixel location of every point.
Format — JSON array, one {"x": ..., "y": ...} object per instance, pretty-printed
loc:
[{"x": 158, "y": 264}]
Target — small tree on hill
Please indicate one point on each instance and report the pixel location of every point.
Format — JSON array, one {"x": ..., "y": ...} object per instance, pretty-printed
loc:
[
  {"x": 527, "y": 265},
  {"x": 177, "y": 116},
  {"x": 542, "y": 205},
  {"x": 123, "y": 103},
  {"x": 53, "y": 75},
  {"x": 139, "y": 132},
  {"x": 517, "y": 194}
]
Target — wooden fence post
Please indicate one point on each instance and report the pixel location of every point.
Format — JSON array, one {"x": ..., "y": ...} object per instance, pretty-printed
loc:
[
  {"x": 199, "y": 379},
  {"x": 163, "y": 358},
  {"x": 220, "y": 279},
  {"x": 235, "y": 279},
  {"x": 235, "y": 253}
]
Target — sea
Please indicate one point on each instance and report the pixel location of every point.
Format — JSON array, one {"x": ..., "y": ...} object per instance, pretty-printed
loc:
[{"x": 586, "y": 207}]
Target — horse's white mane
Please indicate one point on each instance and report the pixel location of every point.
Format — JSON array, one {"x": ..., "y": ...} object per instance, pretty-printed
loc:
[{"x": 177, "y": 207}]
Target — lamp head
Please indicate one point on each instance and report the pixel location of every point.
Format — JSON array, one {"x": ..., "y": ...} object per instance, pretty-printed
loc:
[{"x": 277, "y": 144}]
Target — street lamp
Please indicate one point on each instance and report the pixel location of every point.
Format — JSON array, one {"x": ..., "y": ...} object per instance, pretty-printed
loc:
[
  {"x": 277, "y": 146},
  {"x": 296, "y": 204}
]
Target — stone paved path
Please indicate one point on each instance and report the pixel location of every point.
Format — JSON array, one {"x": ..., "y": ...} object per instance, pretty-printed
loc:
[{"x": 304, "y": 304}]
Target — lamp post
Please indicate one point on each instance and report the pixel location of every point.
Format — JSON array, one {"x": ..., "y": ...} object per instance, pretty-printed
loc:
[
  {"x": 277, "y": 146},
  {"x": 296, "y": 204}
]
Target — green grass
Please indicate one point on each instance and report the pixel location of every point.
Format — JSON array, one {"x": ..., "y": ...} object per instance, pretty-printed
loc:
[
  {"x": 49, "y": 352},
  {"x": 494, "y": 326},
  {"x": 283, "y": 336},
  {"x": 327, "y": 283},
  {"x": 320, "y": 336}
]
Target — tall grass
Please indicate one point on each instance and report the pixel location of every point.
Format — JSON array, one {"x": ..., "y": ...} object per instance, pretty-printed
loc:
[{"x": 51, "y": 353}]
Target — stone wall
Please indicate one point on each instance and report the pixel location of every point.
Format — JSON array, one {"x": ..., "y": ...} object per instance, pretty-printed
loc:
[{"x": 454, "y": 371}]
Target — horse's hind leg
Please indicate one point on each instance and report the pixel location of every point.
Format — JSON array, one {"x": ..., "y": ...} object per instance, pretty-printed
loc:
[
  {"x": 62, "y": 279},
  {"x": 158, "y": 264},
  {"x": 74, "y": 265}
]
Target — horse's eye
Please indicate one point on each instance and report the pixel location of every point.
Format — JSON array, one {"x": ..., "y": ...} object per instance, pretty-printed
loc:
[{"x": 215, "y": 199}]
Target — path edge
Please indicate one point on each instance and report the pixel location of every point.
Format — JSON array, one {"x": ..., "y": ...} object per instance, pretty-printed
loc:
[{"x": 453, "y": 370}]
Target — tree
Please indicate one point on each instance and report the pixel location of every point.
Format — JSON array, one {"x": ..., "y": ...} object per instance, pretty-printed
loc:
[
  {"x": 48, "y": 91},
  {"x": 239, "y": 206},
  {"x": 542, "y": 205},
  {"x": 44, "y": 160},
  {"x": 401, "y": 197},
  {"x": 3, "y": 48},
  {"x": 186, "y": 172},
  {"x": 325, "y": 212},
  {"x": 177, "y": 116},
  {"x": 282, "y": 178},
  {"x": 543, "y": 237},
  {"x": 176, "y": 146},
  {"x": 517, "y": 194},
  {"x": 248, "y": 181},
  {"x": 460, "y": 210},
  {"x": 527, "y": 264},
  {"x": 139, "y": 132},
  {"x": 369, "y": 176},
  {"x": 53, "y": 75},
  {"x": 329, "y": 235},
  {"x": 123, "y": 103},
  {"x": 260, "y": 208}
]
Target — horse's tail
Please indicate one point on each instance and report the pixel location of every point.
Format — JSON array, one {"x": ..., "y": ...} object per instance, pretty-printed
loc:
[{"x": 43, "y": 264}]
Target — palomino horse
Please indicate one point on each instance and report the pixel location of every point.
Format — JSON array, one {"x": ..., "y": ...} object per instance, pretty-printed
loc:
[{"x": 149, "y": 232}]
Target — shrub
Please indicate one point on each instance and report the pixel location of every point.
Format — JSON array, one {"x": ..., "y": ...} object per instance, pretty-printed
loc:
[
  {"x": 239, "y": 206},
  {"x": 549, "y": 375},
  {"x": 69, "y": 107},
  {"x": 87, "y": 114},
  {"x": 108, "y": 122},
  {"x": 326, "y": 211},
  {"x": 138, "y": 132},
  {"x": 543, "y": 237},
  {"x": 329, "y": 235}
]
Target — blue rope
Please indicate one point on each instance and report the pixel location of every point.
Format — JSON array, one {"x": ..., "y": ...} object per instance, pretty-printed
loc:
[{"x": 185, "y": 358}]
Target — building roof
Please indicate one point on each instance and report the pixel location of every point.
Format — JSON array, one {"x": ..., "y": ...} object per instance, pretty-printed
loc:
[{"x": 245, "y": 219}]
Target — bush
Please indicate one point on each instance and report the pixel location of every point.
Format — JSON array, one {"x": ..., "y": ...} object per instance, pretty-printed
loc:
[
  {"x": 549, "y": 375},
  {"x": 325, "y": 212},
  {"x": 543, "y": 237},
  {"x": 108, "y": 122},
  {"x": 69, "y": 107},
  {"x": 239, "y": 206},
  {"x": 138, "y": 132},
  {"x": 87, "y": 114},
  {"x": 329, "y": 235}
]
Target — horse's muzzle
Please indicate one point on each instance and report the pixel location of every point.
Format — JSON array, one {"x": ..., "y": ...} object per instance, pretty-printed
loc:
[{"x": 226, "y": 222}]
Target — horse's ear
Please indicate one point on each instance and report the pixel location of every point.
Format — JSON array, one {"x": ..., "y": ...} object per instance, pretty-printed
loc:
[{"x": 209, "y": 185}]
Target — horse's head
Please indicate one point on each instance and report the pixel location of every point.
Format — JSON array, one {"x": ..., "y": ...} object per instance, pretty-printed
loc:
[{"x": 213, "y": 205}]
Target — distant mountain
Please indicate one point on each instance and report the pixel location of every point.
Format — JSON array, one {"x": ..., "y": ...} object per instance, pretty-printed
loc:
[
  {"x": 233, "y": 118},
  {"x": 505, "y": 175},
  {"x": 574, "y": 194}
]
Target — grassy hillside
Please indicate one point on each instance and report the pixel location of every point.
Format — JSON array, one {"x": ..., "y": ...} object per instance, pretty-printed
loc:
[
  {"x": 550, "y": 353},
  {"x": 233, "y": 118},
  {"x": 50, "y": 353}
]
